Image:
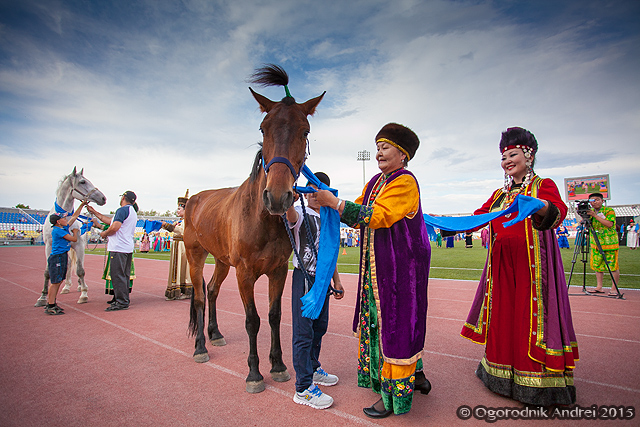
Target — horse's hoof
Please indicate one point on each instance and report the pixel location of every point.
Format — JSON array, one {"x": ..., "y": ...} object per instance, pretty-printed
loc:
[
  {"x": 218, "y": 342},
  {"x": 280, "y": 377},
  {"x": 42, "y": 301},
  {"x": 201, "y": 358},
  {"x": 255, "y": 386},
  {"x": 83, "y": 300},
  {"x": 64, "y": 291}
]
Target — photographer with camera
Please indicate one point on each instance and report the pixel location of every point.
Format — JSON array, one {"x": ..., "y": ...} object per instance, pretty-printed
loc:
[{"x": 603, "y": 221}]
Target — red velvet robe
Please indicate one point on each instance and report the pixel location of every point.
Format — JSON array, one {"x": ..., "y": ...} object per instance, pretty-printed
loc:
[{"x": 521, "y": 310}]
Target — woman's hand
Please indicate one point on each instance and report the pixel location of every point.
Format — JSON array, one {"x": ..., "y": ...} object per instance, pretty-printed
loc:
[
  {"x": 543, "y": 210},
  {"x": 326, "y": 198}
]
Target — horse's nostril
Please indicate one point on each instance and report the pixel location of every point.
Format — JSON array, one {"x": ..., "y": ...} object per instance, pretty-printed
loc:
[
  {"x": 287, "y": 200},
  {"x": 266, "y": 199}
]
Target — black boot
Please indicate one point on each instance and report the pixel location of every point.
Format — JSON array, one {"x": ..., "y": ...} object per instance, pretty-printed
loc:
[
  {"x": 374, "y": 410},
  {"x": 422, "y": 383}
]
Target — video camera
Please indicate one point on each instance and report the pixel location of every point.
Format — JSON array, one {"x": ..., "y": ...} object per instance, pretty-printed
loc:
[{"x": 583, "y": 208}]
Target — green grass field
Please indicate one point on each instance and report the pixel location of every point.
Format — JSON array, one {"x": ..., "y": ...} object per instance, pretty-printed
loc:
[{"x": 467, "y": 264}]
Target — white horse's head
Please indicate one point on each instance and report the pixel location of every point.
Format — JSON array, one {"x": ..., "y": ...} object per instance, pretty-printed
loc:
[{"x": 83, "y": 189}]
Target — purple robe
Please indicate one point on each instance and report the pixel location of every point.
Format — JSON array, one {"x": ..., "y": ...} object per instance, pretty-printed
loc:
[{"x": 400, "y": 273}]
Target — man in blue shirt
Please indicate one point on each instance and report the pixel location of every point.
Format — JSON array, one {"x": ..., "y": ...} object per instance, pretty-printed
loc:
[
  {"x": 58, "y": 259},
  {"x": 122, "y": 228}
]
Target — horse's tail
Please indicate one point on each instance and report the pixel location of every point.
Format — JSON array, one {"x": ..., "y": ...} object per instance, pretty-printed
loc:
[
  {"x": 270, "y": 75},
  {"x": 193, "y": 313}
]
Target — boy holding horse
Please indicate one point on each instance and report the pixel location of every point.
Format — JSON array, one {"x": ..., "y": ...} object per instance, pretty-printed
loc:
[
  {"x": 308, "y": 333},
  {"x": 58, "y": 259}
]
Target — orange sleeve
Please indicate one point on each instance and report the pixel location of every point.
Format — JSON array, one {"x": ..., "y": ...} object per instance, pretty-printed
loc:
[{"x": 399, "y": 199}]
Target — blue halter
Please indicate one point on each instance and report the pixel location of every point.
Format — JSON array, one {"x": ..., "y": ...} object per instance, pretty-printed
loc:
[{"x": 280, "y": 160}]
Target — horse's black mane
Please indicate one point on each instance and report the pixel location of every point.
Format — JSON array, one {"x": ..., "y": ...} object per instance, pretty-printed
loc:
[
  {"x": 270, "y": 75},
  {"x": 257, "y": 164}
]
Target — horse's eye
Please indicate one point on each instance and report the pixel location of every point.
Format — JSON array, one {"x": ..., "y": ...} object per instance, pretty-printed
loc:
[
  {"x": 262, "y": 131},
  {"x": 82, "y": 182},
  {"x": 306, "y": 133}
]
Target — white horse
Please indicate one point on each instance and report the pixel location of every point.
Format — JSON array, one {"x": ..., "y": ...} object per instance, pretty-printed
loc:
[{"x": 73, "y": 186}]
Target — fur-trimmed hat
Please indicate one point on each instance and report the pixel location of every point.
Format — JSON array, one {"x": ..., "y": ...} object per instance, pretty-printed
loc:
[
  {"x": 183, "y": 200},
  {"x": 518, "y": 138},
  {"x": 401, "y": 137}
]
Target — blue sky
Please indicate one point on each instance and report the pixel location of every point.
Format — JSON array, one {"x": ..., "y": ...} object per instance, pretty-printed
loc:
[{"x": 152, "y": 95}]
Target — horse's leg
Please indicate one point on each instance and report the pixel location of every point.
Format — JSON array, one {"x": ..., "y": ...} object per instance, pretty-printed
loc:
[
  {"x": 197, "y": 257},
  {"x": 246, "y": 282},
  {"x": 219, "y": 274},
  {"x": 72, "y": 261},
  {"x": 42, "y": 301},
  {"x": 82, "y": 286},
  {"x": 276, "y": 286}
]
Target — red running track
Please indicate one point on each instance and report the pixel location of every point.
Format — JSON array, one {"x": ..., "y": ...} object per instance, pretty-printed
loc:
[{"x": 135, "y": 367}]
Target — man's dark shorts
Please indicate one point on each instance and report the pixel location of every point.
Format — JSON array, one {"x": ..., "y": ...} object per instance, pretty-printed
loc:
[{"x": 57, "y": 267}]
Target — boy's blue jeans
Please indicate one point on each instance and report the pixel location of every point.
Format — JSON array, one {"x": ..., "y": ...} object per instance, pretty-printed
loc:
[{"x": 307, "y": 334}]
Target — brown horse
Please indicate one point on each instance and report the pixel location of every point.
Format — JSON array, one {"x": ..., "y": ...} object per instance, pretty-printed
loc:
[{"x": 242, "y": 227}]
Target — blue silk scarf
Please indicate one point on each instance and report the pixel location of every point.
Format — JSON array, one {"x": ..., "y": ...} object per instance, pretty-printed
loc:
[
  {"x": 151, "y": 225},
  {"x": 86, "y": 222},
  {"x": 524, "y": 205},
  {"x": 329, "y": 246}
]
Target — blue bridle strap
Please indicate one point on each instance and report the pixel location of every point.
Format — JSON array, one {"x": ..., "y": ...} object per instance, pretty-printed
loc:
[
  {"x": 85, "y": 220},
  {"x": 280, "y": 160}
]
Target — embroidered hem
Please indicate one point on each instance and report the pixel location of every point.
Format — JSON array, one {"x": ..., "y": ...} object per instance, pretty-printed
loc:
[{"x": 514, "y": 388}]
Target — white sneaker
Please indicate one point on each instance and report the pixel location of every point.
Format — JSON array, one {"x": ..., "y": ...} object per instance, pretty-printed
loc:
[
  {"x": 322, "y": 378},
  {"x": 313, "y": 397}
]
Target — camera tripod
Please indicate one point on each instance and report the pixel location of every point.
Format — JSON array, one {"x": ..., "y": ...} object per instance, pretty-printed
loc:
[{"x": 582, "y": 247}]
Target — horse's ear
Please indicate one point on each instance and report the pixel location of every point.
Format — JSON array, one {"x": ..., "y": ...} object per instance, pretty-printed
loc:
[
  {"x": 265, "y": 103},
  {"x": 309, "y": 107},
  {"x": 74, "y": 171},
  {"x": 82, "y": 171}
]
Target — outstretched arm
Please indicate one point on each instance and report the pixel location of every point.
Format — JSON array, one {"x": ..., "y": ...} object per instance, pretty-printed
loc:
[
  {"x": 76, "y": 214},
  {"x": 101, "y": 217}
]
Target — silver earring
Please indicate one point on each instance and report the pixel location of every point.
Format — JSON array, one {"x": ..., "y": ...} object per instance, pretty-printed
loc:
[
  {"x": 528, "y": 177},
  {"x": 507, "y": 183}
]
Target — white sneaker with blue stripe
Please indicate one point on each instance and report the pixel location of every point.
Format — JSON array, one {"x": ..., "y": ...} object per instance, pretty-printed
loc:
[
  {"x": 313, "y": 397},
  {"x": 321, "y": 377}
]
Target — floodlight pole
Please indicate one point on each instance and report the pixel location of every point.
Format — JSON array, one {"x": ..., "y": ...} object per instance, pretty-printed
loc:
[{"x": 364, "y": 156}]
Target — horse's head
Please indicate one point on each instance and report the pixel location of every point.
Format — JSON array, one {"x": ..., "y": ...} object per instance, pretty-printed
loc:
[
  {"x": 284, "y": 144},
  {"x": 83, "y": 189}
]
